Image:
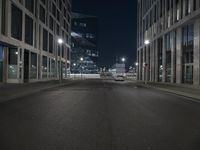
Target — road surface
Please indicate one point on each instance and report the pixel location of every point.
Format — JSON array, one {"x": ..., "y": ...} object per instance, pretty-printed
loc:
[{"x": 100, "y": 115}]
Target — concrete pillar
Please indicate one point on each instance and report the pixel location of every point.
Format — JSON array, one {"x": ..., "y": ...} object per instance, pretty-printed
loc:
[
  {"x": 8, "y": 18},
  {"x": 5, "y": 64},
  {"x": 184, "y": 8},
  {"x": 0, "y": 14},
  {"x": 197, "y": 4},
  {"x": 152, "y": 69},
  {"x": 140, "y": 65},
  {"x": 191, "y": 5},
  {"x": 156, "y": 62},
  {"x": 164, "y": 60},
  {"x": 179, "y": 55},
  {"x": 144, "y": 59},
  {"x": 148, "y": 62},
  {"x": 173, "y": 56},
  {"x": 196, "y": 52},
  {"x": 174, "y": 11}
]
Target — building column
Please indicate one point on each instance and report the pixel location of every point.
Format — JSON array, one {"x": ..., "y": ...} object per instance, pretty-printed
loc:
[
  {"x": 164, "y": 60},
  {"x": 8, "y": 18},
  {"x": 179, "y": 55},
  {"x": 196, "y": 75},
  {"x": 173, "y": 56},
  {"x": 143, "y": 68},
  {"x": 148, "y": 62},
  {"x": 197, "y": 4},
  {"x": 156, "y": 62},
  {"x": 140, "y": 64},
  {"x": 5, "y": 64},
  {"x": 0, "y": 15},
  {"x": 152, "y": 69}
]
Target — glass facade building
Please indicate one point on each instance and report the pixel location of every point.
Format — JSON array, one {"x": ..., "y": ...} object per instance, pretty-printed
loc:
[
  {"x": 84, "y": 44},
  {"x": 29, "y": 31},
  {"x": 172, "y": 29}
]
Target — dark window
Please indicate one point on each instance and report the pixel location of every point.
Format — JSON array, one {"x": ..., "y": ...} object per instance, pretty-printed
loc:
[
  {"x": 16, "y": 23},
  {"x": 50, "y": 43},
  {"x": 54, "y": 10},
  {"x": 43, "y": 1},
  {"x": 51, "y": 23},
  {"x": 28, "y": 30},
  {"x": 33, "y": 69},
  {"x": 60, "y": 4},
  {"x": 29, "y": 4},
  {"x": 58, "y": 15},
  {"x": 58, "y": 30},
  {"x": 44, "y": 67},
  {"x": 42, "y": 14},
  {"x": 45, "y": 40}
]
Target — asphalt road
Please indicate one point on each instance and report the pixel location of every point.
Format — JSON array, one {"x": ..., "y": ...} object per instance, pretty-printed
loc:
[{"x": 100, "y": 115}]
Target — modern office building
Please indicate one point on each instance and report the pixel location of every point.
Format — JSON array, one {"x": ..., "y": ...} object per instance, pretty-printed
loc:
[
  {"x": 29, "y": 33},
  {"x": 168, "y": 47},
  {"x": 84, "y": 44}
]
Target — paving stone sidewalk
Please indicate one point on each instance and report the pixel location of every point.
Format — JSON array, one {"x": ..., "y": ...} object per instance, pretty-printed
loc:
[
  {"x": 12, "y": 91},
  {"x": 189, "y": 91}
]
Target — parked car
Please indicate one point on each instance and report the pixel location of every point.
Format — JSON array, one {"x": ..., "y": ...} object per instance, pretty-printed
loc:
[{"x": 119, "y": 78}]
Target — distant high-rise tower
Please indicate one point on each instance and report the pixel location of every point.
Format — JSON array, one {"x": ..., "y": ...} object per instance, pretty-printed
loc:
[{"x": 84, "y": 43}]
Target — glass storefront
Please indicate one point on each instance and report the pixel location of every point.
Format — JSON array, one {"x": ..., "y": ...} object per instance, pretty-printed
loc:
[
  {"x": 188, "y": 58},
  {"x": 12, "y": 63},
  {"x": 168, "y": 58},
  {"x": 160, "y": 58},
  {"x": 33, "y": 71},
  {"x": 44, "y": 67}
]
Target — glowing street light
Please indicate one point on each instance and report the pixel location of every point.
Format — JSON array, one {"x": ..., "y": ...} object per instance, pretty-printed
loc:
[
  {"x": 146, "y": 42},
  {"x": 136, "y": 64},
  {"x": 81, "y": 59},
  {"x": 60, "y": 41},
  {"x": 123, "y": 59}
]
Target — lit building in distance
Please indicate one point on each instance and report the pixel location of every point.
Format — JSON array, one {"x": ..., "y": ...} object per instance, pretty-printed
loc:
[{"x": 84, "y": 44}]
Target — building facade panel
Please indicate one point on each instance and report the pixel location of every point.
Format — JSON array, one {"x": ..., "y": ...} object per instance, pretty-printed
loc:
[
  {"x": 170, "y": 28},
  {"x": 29, "y": 33}
]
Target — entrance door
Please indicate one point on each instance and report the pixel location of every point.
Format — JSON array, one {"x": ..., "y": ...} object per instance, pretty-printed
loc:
[
  {"x": 26, "y": 65},
  {"x": 1, "y": 64},
  {"x": 188, "y": 73}
]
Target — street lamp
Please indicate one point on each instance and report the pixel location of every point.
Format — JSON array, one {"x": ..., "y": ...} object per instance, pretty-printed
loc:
[
  {"x": 123, "y": 60},
  {"x": 60, "y": 42},
  {"x": 74, "y": 64},
  {"x": 136, "y": 64},
  {"x": 146, "y": 42},
  {"x": 81, "y": 59}
]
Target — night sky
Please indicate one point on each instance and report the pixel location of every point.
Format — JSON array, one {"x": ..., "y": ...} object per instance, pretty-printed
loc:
[{"x": 117, "y": 28}]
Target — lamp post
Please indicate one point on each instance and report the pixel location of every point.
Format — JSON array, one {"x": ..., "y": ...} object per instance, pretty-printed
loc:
[
  {"x": 74, "y": 69},
  {"x": 123, "y": 61},
  {"x": 81, "y": 59},
  {"x": 145, "y": 65},
  {"x": 60, "y": 42}
]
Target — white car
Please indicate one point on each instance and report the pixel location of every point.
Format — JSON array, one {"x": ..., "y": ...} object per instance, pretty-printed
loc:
[{"x": 119, "y": 78}]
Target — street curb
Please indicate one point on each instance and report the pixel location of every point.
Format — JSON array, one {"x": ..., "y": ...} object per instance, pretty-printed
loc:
[
  {"x": 192, "y": 98},
  {"x": 36, "y": 91}
]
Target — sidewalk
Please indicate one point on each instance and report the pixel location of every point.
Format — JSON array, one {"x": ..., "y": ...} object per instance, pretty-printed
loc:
[
  {"x": 12, "y": 91},
  {"x": 189, "y": 91}
]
